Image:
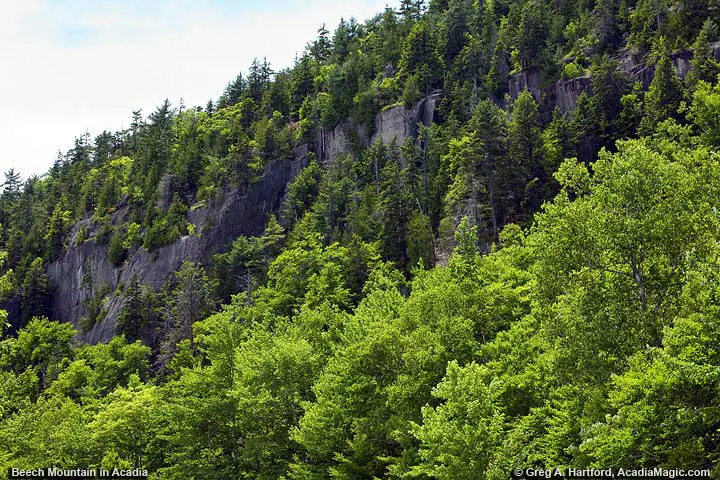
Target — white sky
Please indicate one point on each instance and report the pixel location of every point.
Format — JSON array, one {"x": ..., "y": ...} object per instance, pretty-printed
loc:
[{"x": 67, "y": 66}]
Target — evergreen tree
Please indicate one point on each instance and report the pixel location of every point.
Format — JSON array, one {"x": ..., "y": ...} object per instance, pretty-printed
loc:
[
  {"x": 35, "y": 292},
  {"x": 664, "y": 95},
  {"x": 190, "y": 299},
  {"x": 233, "y": 92},
  {"x": 137, "y": 311},
  {"x": 321, "y": 48},
  {"x": 703, "y": 66},
  {"x": 524, "y": 170}
]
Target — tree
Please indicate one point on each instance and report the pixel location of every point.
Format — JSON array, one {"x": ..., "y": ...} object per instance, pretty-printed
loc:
[
  {"x": 395, "y": 208},
  {"x": 35, "y": 293},
  {"x": 58, "y": 227},
  {"x": 532, "y": 35},
  {"x": 11, "y": 185},
  {"x": 704, "y": 112},
  {"x": 411, "y": 10},
  {"x": 607, "y": 27},
  {"x": 456, "y": 26},
  {"x": 126, "y": 426},
  {"x": 419, "y": 240},
  {"x": 420, "y": 57},
  {"x": 234, "y": 91},
  {"x": 664, "y": 95},
  {"x": 621, "y": 239},
  {"x": 320, "y": 48},
  {"x": 190, "y": 299},
  {"x": 458, "y": 438},
  {"x": 476, "y": 161},
  {"x": 524, "y": 169},
  {"x": 43, "y": 344},
  {"x": 138, "y": 311},
  {"x": 703, "y": 66},
  {"x": 104, "y": 148},
  {"x": 660, "y": 405},
  {"x": 10, "y": 198},
  {"x": 258, "y": 79}
]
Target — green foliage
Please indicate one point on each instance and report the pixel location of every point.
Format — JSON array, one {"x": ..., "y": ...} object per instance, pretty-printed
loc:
[
  {"x": 459, "y": 437},
  {"x": 35, "y": 293},
  {"x": 169, "y": 227},
  {"x": 188, "y": 299},
  {"x": 662, "y": 99},
  {"x": 95, "y": 308},
  {"x": 116, "y": 250},
  {"x": 511, "y": 287},
  {"x": 704, "y": 112},
  {"x": 419, "y": 240}
]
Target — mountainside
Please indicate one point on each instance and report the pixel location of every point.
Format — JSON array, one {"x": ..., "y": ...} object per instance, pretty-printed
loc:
[{"x": 452, "y": 241}]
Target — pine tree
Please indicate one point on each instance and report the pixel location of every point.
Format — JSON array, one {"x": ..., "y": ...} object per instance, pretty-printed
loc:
[
  {"x": 321, "y": 48},
  {"x": 524, "y": 155},
  {"x": 664, "y": 95},
  {"x": 703, "y": 66},
  {"x": 189, "y": 300},
  {"x": 137, "y": 311},
  {"x": 234, "y": 91},
  {"x": 456, "y": 26},
  {"x": 35, "y": 293},
  {"x": 11, "y": 185},
  {"x": 10, "y": 199}
]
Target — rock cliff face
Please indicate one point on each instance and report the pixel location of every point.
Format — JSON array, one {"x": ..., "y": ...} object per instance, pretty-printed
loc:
[
  {"x": 84, "y": 272},
  {"x": 565, "y": 93},
  {"x": 394, "y": 124}
]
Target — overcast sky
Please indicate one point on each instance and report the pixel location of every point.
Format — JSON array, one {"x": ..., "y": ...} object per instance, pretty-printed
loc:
[{"x": 67, "y": 66}]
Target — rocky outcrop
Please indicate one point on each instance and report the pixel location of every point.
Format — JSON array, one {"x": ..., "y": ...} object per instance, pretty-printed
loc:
[
  {"x": 716, "y": 50},
  {"x": 526, "y": 80},
  {"x": 397, "y": 124},
  {"x": 330, "y": 144},
  {"x": 567, "y": 92},
  {"x": 394, "y": 124},
  {"x": 564, "y": 94},
  {"x": 84, "y": 275},
  {"x": 84, "y": 272}
]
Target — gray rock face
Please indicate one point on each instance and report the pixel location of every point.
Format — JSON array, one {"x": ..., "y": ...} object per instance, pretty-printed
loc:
[
  {"x": 530, "y": 81},
  {"x": 567, "y": 92},
  {"x": 398, "y": 123},
  {"x": 330, "y": 144},
  {"x": 394, "y": 124},
  {"x": 84, "y": 270},
  {"x": 681, "y": 62},
  {"x": 563, "y": 93}
]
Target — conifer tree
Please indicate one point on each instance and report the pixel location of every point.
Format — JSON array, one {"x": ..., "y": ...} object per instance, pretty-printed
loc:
[{"x": 664, "y": 95}]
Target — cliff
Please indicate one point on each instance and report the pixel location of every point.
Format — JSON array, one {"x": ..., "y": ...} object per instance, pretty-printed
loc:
[
  {"x": 84, "y": 272},
  {"x": 564, "y": 94},
  {"x": 393, "y": 124}
]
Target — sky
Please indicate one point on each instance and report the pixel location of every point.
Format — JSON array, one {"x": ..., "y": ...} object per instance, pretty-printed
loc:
[{"x": 71, "y": 66}]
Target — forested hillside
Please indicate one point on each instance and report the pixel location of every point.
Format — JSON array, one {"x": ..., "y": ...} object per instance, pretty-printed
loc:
[{"x": 456, "y": 239}]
